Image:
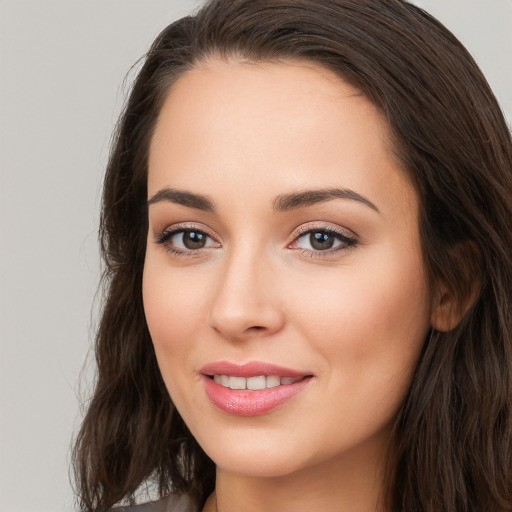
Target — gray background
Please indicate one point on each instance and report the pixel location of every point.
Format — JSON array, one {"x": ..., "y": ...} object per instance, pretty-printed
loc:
[{"x": 62, "y": 65}]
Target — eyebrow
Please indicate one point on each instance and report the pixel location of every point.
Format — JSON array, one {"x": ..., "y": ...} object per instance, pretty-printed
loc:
[
  {"x": 282, "y": 203},
  {"x": 184, "y": 198},
  {"x": 286, "y": 202}
]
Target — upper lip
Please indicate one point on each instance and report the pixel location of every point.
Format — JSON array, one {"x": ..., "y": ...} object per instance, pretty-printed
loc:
[{"x": 251, "y": 369}]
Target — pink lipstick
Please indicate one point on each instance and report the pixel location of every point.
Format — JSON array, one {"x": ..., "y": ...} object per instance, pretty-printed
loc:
[{"x": 253, "y": 388}]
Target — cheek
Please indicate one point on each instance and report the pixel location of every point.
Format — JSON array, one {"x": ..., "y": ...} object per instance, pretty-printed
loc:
[
  {"x": 162, "y": 307},
  {"x": 369, "y": 324},
  {"x": 369, "y": 332},
  {"x": 173, "y": 307}
]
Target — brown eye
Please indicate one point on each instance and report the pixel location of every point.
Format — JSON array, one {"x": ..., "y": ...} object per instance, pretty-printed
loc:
[
  {"x": 193, "y": 239},
  {"x": 321, "y": 240},
  {"x": 183, "y": 240}
]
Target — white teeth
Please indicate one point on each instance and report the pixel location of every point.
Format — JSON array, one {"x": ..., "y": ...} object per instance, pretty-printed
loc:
[
  {"x": 254, "y": 383},
  {"x": 237, "y": 382},
  {"x": 257, "y": 382},
  {"x": 285, "y": 381},
  {"x": 273, "y": 381}
]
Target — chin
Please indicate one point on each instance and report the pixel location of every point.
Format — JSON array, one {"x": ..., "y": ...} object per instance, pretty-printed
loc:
[
  {"x": 258, "y": 467},
  {"x": 255, "y": 458}
]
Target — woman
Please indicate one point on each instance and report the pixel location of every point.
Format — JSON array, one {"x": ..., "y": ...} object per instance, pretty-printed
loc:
[{"x": 306, "y": 236}]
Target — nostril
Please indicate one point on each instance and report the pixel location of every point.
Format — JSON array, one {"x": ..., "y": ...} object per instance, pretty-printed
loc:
[{"x": 256, "y": 329}]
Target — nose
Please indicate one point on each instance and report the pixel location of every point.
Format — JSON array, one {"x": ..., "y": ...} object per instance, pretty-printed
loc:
[{"x": 246, "y": 304}]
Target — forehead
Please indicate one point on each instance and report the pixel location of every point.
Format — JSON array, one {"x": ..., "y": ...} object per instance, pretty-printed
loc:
[
  {"x": 253, "y": 96},
  {"x": 271, "y": 126}
]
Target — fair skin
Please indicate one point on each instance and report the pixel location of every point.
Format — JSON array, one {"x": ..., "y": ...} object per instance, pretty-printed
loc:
[{"x": 234, "y": 273}]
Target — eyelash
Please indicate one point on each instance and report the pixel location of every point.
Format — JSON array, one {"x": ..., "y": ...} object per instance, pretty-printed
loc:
[
  {"x": 166, "y": 236},
  {"x": 346, "y": 242}
]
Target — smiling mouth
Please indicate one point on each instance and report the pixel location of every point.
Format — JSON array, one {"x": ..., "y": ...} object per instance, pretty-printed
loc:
[
  {"x": 253, "y": 388},
  {"x": 255, "y": 383}
]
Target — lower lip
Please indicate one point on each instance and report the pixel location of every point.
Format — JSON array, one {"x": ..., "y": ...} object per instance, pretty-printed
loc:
[{"x": 251, "y": 403}]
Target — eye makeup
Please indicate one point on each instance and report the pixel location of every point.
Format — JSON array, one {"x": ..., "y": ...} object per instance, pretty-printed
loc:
[
  {"x": 186, "y": 240},
  {"x": 312, "y": 239},
  {"x": 319, "y": 241}
]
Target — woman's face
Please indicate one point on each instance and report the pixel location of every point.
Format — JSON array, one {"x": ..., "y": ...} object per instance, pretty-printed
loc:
[{"x": 283, "y": 253}]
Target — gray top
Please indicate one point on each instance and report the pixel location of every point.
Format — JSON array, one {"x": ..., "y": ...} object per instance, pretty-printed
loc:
[{"x": 171, "y": 503}]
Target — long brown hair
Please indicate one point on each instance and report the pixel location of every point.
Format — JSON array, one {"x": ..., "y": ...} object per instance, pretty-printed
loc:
[{"x": 452, "y": 438}]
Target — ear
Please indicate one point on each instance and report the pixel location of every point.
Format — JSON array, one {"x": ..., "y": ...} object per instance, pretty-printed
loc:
[
  {"x": 451, "y": 303},
  {"x": 449, "y": 309}
]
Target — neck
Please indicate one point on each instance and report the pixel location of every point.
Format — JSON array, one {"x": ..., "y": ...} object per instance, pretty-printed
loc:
[{"x": 348, "y": 483}]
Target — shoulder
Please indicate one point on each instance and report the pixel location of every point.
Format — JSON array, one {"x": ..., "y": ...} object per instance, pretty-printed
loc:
[{"x": 171, "y": 503}]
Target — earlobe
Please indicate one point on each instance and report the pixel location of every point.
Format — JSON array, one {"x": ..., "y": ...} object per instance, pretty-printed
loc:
[{"x": 451, "y": 304}]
